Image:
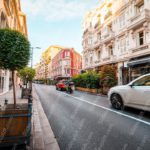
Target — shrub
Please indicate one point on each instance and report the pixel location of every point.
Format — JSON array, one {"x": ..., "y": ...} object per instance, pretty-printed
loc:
[
  {"x": 87, "y": 80},
  {"x": 108, "y": 76}
]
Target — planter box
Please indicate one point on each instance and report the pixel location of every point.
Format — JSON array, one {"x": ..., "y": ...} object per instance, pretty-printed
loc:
[
  {"x": 87, "y": 90},
  {"x": 15, "y": 125}
]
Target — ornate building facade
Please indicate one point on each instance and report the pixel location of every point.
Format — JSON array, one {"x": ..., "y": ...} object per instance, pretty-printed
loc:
[
  {"x": 117, "y": 32},
  {"x": 66, "y": 64},
  {"x": 12, "y": 17}
]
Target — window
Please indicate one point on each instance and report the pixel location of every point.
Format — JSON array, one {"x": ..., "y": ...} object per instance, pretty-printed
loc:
[
  {"x": 122, "y": 20},
  {"x": 68, "y": 62},
  {"x": 68, "y": 71},
  {"x": 145, "y": 81},
  {"x": 123, "y": 45},
  {"x": 110, "y": 51},
  {"x": 91, "y": 60},
  {"x": 86, "y": 61},
  {"x": 141, "y": 38},
  {"x": 140, "y": 8},
  {"x": 98, "y": 54},
  {"x": 2, "y": 20}
]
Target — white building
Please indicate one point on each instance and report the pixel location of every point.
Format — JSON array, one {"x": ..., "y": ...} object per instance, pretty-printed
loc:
[{"x": 117, "y": 33}]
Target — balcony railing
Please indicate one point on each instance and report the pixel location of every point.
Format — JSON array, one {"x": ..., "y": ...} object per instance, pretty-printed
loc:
[
  {"x": 140, "y": 48},
  {"x": 109, "y": 36},
  {"x": 106, "y": 59},
  {"x": 139, "y": 18},
  {"x": 97, "y": 62}
]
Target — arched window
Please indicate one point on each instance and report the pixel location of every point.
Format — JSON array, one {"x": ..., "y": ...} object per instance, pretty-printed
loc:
[{"x": 2, "y": 20}]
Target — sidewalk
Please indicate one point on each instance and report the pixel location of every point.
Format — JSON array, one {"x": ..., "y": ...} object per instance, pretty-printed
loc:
[
  {"x": 9, "y": 97},
  {"x": 42, "y": 137}
]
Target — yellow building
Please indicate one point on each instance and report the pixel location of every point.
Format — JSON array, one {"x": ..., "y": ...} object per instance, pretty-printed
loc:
[
  {"x": 43, "y": 69},
  {"x": 12, "y": 17}
]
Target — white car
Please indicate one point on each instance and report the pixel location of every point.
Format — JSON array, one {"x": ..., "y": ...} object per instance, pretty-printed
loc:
[{"x": 135, "y": 94}]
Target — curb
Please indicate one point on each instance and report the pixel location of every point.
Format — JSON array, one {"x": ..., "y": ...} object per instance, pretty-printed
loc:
[{"x": 43, "y": 136}]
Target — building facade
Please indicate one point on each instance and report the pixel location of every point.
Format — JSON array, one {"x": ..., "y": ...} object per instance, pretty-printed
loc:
[
  {"x": 66, "y": 64},
  {"x": 12, "y": 17},
  {"x": 117, "y": 33},
  {"x": 44, "y": 67}
]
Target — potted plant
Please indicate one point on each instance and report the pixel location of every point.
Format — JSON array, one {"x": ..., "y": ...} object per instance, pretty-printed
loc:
[
  {"x": 14, "y": 118},
  {"x": 27, "y": 75}
]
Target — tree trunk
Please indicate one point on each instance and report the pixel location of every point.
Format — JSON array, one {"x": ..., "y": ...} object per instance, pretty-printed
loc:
[{"x": 14, "y": 88}]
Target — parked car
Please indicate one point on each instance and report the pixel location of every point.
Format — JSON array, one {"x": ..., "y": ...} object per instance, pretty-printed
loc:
[
  {"x": 61, "y": 85},
  {"x": 135, "y": 94}
]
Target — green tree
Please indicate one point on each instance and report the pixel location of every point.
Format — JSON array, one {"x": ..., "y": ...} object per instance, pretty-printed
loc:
[
  {"x": 27, "y": 74},
  {"x": 14, "y": 52}
]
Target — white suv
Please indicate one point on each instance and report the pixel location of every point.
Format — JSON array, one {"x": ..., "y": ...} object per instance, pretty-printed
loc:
[{"x": 135, "y": 94}]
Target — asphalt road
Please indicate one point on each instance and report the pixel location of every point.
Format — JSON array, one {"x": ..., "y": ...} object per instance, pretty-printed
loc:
[{"x": 82, "y": 121}]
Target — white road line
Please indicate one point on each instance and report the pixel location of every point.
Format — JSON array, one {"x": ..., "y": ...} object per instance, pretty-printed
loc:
[{"x": 119, "y": 113}]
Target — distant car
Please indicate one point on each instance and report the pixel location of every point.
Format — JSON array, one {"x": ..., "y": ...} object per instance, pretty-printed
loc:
[
  {"x": 61, "y": 85},
  {"x": 135, "y": 94}
]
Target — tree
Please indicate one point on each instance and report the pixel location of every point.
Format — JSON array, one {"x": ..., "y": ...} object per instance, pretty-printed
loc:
[
  {"x": 27, "y": 74},
  {"x": 108, "y": 76},
  {"x": 14, "y": 52}
]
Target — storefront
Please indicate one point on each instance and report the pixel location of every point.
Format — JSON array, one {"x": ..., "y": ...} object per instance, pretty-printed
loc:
[{"x": 138, "y": 66}]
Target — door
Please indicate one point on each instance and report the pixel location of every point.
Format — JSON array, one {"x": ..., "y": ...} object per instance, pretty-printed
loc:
[{"x": 140, "y": 92}]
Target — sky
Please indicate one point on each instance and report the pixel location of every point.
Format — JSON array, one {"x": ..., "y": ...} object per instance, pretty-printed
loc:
[{"x": 55, "y": 22}]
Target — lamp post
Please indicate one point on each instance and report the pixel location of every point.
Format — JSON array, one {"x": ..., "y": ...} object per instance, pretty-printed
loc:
[{"x": 32, "y": 54}]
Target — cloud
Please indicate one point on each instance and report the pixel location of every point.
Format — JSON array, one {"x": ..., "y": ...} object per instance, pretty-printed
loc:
[{"x": 56, "y": 10}]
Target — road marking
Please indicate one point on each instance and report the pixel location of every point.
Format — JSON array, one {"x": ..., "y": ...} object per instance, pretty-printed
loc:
[{"x": 119, "y": 113}]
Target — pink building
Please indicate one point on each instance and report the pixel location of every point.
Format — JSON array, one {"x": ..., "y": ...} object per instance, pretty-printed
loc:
[{"x": 66, "y": 64}]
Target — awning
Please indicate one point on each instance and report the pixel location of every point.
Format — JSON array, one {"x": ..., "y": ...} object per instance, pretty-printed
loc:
[{"x": 133, "y": 63}]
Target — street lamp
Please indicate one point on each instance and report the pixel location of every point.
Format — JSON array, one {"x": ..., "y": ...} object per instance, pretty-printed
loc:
[{"x": 32, "y": 54}]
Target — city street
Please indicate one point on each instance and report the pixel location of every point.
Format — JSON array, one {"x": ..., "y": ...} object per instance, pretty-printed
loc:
[{"x": 82, "y": 121}]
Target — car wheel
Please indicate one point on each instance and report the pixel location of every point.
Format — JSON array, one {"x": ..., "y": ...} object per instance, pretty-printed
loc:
[
  {"x": 56, "y": 88},
  {"x": 116, "y": 101}
]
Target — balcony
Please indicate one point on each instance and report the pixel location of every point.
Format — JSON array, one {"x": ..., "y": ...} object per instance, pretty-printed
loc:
[
  {"x": 138, "y": 19},
  {"x": 106, "y": 59},
  {"x": 140, "y": 48},
  {"x": 108, "y": 14},
  {"x": 108, "y": 37},
  {"x": 97, "y": 62}
]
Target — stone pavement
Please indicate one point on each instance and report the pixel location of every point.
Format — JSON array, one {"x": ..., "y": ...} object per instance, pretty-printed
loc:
[
  {"x": 9, "y": 97},
  {"x": 42, "y": 137}
]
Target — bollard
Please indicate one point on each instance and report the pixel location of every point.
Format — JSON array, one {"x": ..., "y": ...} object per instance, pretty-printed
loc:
[
  {"x": 6, "y": 102},
  {"x": 30, "y": 99}
]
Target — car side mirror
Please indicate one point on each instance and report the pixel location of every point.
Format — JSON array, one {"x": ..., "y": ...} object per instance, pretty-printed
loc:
[{"x": 131, "y": 85}]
